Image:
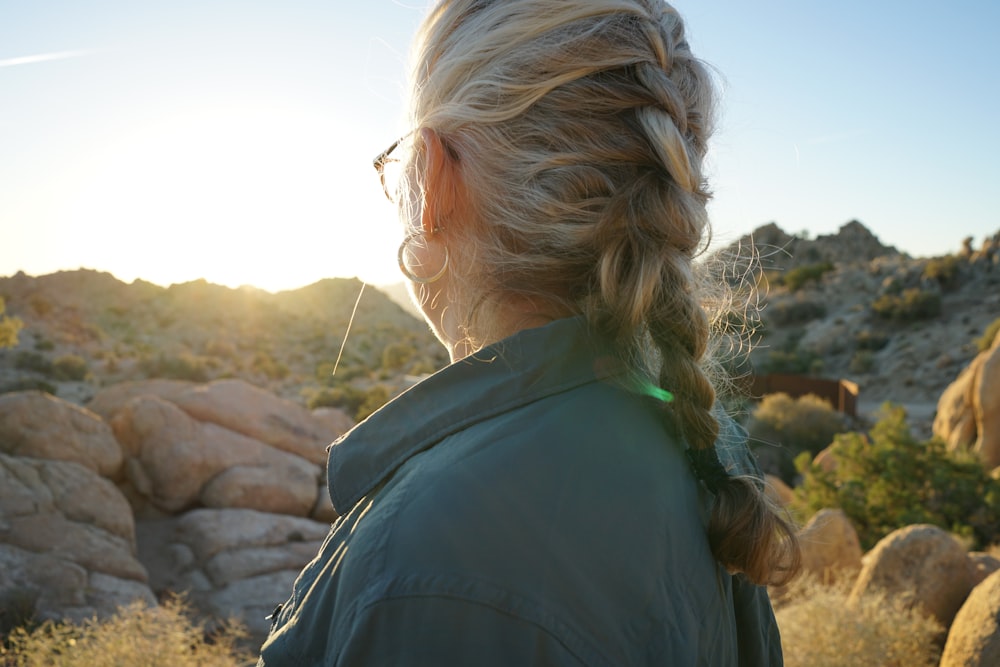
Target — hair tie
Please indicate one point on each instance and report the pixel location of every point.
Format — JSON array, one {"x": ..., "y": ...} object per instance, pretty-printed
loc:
[{"x": 708, "y": 468}]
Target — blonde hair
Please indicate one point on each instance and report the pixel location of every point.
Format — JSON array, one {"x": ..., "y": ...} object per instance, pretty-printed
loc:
[{"x": 579, "y": 128}]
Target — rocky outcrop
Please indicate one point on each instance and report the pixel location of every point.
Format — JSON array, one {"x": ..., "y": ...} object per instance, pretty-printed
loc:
[
  {"x": 39, "y": 425},
  {"x": 222, "y": 476},
  {"x": 974, "y": 637},
  {"x": 229, "y": 561},
  {"x": 109, "y": 400},
  {"x": 241, "y": 407},
  {"x": 921, "y": 563},
  {"x": 968, "y": 413},
  {"x": 67, "y": 539},
  {"x": 779, "y": 492},
  {"x": 983, "y": 565},
  {"x": 177, "y": 463}
]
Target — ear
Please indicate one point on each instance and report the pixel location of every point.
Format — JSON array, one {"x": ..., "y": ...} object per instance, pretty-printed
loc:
[{"x": 441, "y": 184}]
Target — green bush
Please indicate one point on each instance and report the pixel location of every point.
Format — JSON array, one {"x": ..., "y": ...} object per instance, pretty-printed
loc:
[
  {"x": 70, "y": 367},
  {"x": 781, "y": 427},
  {"x": 184, "y": 366},
  {"x": 33, "y": 361},
  {"x": 375, "y": 398},
  {"x": 9, "y": 327},
  {"x": 887, "y": 480},
  {"x": 793, "y": 362},
  {"x": 795, "y": 311},
  {"x": 944, "y": 270},
  {"x": 911, "y": 305},
  {"x": 28, "y": 384},
  {"x": 863, "y": 361},
  {"x": 136, "y": 635},
  {"x": 800, "y": 276},
  {"x": 986, "y": 342},
  {"x": 397, "y": 355},
  {"x": 870, "y": 340}
]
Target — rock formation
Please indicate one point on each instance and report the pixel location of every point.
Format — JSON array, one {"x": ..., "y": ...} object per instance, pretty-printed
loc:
[
  {"x": 923, "y": 563},
  {"x": 67, "y": 540},
  {"x": 223, "y": 478},
  {"x": 968, "y": 413},
  {"x": 974, "y": 637}
]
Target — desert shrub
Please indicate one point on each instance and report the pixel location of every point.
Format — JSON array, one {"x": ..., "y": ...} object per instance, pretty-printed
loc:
[
  {"x": 781, "y": 427},
  {"x": 910, "y": 305},
  {"x": 33, "y": 361},
  {"x": 423, "y": 366},
  {"x": 989, "y": 335},
  {"x": 943, "y": 270},
  {"x": 794, "y": 362},
  {"x": 44, "y": 345},
  {"x": 70, "y": 367},
  {"x": 871, "y": 340},
  {"x": 862, "y": 362},
  {"x": 184, "y": 366},
  {"x": 268, "y": 366},
  {"x": 800, "y": 276},
  {"x": 135, "y": 635},
  {"x": 888, "y": 479},
  {"x": 9, "y": 327},
  {"x": 345, "y": 372},
  {"x": 375, "y": 398},
  {"x": 820, "y": 627},
  {"x": 28, "y": 384},
  {"x": 345, "y": 396},
  {"x": 397, "y": 355},
  {"x": 795, "y": 311}
]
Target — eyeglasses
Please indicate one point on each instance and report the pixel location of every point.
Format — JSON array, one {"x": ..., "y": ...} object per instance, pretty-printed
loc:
[{"x": 390, "y": 169}]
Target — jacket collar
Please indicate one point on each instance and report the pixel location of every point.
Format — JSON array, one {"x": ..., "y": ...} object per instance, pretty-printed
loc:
[{"x": 529, "y": 365}]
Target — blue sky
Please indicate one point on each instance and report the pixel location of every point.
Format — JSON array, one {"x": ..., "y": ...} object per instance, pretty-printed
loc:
[{"x": 233, "y": 140}]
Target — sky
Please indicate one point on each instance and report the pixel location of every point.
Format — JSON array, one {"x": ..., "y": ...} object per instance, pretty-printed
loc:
[{"x": 232, "y": 140}]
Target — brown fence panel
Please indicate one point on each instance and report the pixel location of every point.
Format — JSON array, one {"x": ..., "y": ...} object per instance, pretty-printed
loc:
[{"x": 841, "y": 394}]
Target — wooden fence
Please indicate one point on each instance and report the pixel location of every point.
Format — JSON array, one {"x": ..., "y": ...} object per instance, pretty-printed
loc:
[{"x": 841, "y": 394}]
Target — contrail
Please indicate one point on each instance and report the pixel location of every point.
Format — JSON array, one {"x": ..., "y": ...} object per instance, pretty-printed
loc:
[{"x": 43, "y": 57}]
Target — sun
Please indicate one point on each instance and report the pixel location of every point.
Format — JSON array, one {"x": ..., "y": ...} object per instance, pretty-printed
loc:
[{"x": 238, "y": 194}]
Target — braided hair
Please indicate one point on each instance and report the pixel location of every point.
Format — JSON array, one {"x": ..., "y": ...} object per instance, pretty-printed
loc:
[{"x": 580, "y": 129}]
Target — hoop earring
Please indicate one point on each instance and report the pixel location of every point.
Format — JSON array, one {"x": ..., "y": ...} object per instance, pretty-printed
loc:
[{"x": 409, "y": 274}]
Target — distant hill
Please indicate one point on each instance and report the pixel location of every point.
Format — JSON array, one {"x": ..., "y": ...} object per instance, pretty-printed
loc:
[
  {"x": 846, "y": 306},
  {"x": 197, "y": 330}
]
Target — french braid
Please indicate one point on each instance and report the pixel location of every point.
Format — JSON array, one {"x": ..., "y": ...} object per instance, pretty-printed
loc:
[{"x": 580, "y": 127}]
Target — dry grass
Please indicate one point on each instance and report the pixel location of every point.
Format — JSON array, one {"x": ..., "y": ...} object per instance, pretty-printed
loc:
[
  {"x": 137, "y": 635},
  {"x": 820, "y": 629}
]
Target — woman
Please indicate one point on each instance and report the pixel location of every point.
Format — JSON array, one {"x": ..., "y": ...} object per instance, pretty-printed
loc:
[{"x": 555, "y": 495}]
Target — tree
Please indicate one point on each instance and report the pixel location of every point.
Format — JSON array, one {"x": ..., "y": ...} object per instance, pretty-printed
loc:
[
  {"x": 9, "y": 328},
  {"x": 888, "y": 479}
]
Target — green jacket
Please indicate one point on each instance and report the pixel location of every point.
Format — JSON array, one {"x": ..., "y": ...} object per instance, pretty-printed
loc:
[{"x": 520, "y": 507}]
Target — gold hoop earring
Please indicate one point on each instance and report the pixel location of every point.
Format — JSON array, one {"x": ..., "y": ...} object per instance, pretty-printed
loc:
[{"x": 409, "y": 274}]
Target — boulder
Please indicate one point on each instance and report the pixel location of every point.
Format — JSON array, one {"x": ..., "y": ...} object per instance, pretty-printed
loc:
[
  {"x": 109, "y": 400},
  {"x": 974, "y": 637},
  {"x": 67, "y": 540},
  {"x": 38, "y": 425},
  {"x": 334, "y": 419},
  {"x": 983, "y": 565},
  {"x": 256, "y": 413},
  {"x": 968, "y": 414},
  {"x": 830, "y": 546},
  {"x": 181, "y": 463},
  {"x": 776, "y": 489},
  {"x": 922, "y": 563},
  {"x": 230, "y": 562}
]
